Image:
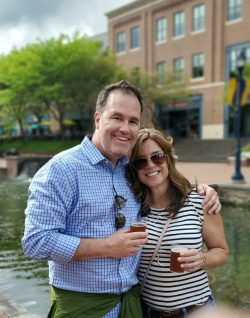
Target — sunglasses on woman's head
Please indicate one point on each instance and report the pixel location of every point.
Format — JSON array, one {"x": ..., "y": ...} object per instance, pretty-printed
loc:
[
  {"x": 120, "y": 219},
  {"x": 157, "y": 158}
]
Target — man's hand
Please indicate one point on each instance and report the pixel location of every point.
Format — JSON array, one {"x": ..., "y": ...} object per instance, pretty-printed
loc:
[
  {"x": 211, "y": 203},
  {"x": 123, "y": 243},
  {"x": 120, "y": 244}
]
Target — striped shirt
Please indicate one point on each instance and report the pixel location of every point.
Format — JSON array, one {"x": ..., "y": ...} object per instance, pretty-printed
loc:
[
  {"x": 72, "y": 197},
  {"x": 163, "y": 289}
]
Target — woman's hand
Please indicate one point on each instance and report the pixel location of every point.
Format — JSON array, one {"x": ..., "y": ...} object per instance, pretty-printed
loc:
[
  {"x": 217, "y": 248},
  {"x": 192, "y": 260}
]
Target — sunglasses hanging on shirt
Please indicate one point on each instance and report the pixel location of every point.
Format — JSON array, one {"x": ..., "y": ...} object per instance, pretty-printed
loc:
[
  {"x": 120, "y": 218},
  {"x": 120, "y": 202}
]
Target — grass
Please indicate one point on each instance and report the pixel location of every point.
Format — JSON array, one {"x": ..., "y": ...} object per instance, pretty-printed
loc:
[
  {"x": 49, "y": 146},
  {"x": 246, "y": 148},
  {"x": 38, "y": 146}
]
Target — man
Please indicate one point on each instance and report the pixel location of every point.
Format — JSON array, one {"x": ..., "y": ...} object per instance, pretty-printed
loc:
[{"x": 79, "y": 210}]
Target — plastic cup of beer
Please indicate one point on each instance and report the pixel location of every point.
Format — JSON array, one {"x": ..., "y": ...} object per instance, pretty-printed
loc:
[
  {"x": 138, "y": 227},
  {"x": 176, "y": 250}
]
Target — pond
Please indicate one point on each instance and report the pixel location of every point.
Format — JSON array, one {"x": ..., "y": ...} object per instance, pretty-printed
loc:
[
  {"x": 21, "y": 279},
  {"x": 26, "y": 281}
]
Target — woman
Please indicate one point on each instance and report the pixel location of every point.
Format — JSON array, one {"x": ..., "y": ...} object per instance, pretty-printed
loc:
[{"x": 165, "y": 193}]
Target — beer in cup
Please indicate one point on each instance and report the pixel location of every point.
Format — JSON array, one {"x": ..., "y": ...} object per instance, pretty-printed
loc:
[
  {"x": 138, "y": 227},
  {"x": 176, "y": 249}
]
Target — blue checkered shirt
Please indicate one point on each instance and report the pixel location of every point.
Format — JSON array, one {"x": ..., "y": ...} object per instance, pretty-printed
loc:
[{"x": 72, "y": 197}]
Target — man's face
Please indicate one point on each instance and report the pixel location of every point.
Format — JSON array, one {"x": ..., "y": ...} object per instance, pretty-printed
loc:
[{"x": 118, "y": 125}]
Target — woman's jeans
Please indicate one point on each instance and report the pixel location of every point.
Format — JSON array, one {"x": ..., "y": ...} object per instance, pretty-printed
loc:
[{"x": 149, "y": 312}]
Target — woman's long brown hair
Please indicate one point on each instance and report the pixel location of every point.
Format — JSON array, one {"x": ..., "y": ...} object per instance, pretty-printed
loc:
[{"x": 179, "y": 185}]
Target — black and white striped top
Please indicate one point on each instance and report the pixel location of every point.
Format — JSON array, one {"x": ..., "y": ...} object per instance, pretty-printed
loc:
[{"x": 164, "y": 290}]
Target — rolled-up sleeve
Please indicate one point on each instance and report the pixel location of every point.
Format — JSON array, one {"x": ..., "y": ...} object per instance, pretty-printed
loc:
[{"x": 52, "y": 196}]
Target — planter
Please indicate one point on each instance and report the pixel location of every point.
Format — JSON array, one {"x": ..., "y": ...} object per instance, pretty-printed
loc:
[{"x": 245, "y": 159}]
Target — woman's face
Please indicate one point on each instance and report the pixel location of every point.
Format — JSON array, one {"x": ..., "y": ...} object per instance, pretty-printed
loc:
[{"x": 153, "y": 175}]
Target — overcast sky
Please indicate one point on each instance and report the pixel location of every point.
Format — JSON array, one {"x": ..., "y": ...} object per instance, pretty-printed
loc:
[{"x": 23, "y": 21}]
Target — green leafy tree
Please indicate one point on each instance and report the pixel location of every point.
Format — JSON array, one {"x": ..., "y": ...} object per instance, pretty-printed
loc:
[
  {"x": 73, "y": 70},
  {"x": 55, "y": 76},
  {"x": 65, "y": 74},
  {"x": 247, "y": 70},
  {"x": 17, "y": 79}
]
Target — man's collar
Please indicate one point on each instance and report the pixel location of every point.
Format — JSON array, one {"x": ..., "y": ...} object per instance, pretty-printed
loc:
[{"x": 94, "y": 154}]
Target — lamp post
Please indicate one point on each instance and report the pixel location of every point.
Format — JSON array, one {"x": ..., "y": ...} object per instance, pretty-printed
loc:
[{"x": 241, "y": 60}]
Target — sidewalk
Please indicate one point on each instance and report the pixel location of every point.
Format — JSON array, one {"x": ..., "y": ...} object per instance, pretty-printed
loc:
[
  {"x": 212, "y": 173},
  {"x": 10, "y": 309}
]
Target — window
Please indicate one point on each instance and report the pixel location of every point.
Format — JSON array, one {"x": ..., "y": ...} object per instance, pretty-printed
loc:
[
  {"x": 233, "y": 55},
  {"x": 135, "y": 38},
  {"x": 120, "y": 43},
  {"x": 198, "y": 18},
  {"x": 234, "y": 9},
  {"x": 179, "y": 24},
  {"x": 161, "y": 30},
  {"x": 247, "y": 51},
  {"x": 198, "y": 66},
  {"x": 233, "y": 58},
  {"x": 161, "y": 69},
  {"x": 179, "y": 66}
]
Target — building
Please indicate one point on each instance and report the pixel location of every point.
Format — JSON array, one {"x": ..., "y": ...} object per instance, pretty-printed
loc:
[
  {"x": 198, "y": 39},
  {"x": 103, "y": 38}
]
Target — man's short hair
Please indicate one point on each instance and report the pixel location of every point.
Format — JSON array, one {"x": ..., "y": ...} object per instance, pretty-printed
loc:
[{"x": 124, "y": 86}]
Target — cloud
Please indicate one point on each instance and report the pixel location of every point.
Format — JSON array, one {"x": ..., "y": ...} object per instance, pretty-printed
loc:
[
  {"x": 29, "y": 11},
  {"x": 23, "y": 21}
]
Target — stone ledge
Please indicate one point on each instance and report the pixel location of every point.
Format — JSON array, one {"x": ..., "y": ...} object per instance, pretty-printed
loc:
[
  {"x": 11, "y": 166},
  {"x": 245, "y": 159},
  {"x": 233, "y": 194},
  {"x": 3, "y": 163}
]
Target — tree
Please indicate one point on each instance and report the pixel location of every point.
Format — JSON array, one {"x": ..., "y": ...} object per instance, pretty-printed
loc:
[
  {"x": 17, "y": 78},
  {"x": 65, "y": 74},
  {"x": 157, "y": 89},
  {"x": 56, "y": 75}
]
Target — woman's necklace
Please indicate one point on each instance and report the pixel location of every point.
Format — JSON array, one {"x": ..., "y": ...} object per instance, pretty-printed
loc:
[{"x": 158, "y": 216}]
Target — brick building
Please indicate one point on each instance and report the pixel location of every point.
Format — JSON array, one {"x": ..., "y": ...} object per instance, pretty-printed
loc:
[{"x": 198, "y": 39}]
